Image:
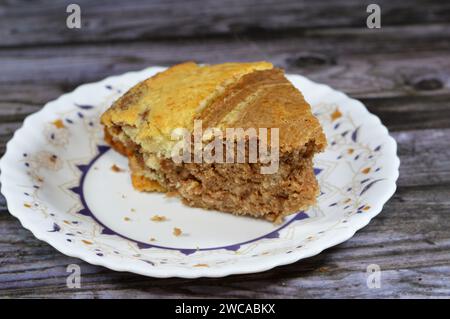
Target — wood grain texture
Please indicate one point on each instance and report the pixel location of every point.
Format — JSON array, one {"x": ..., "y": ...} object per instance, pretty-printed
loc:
[
  {"x": 404, "y": 66},
  {"x": 43, "y": 21},
  {"x": 401, "y": 72}
]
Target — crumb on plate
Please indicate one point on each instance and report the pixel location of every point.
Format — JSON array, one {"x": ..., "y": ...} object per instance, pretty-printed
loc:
[
  {"x": 116, "y": 168},
  {"x": 177, "y": 231},
  {"x": 158, "y": 218}
]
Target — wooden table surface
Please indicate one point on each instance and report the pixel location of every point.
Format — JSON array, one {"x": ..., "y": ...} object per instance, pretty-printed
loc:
[{"x": 401, "y": 72}]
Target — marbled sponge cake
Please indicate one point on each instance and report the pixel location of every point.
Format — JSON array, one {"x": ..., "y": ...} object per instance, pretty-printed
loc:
[{"x": 230, "y": 95}]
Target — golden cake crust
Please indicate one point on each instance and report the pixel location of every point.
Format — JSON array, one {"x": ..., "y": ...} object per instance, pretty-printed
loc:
[
  {"x": 145, "y": 184},
  {"x": 234, "y": 95},
  {"x": 170, "y": 99},
  {"x": 266, "y": 99}
]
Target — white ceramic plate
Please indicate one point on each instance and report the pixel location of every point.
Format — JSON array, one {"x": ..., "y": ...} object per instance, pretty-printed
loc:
[{"x": 56, "y": 176}]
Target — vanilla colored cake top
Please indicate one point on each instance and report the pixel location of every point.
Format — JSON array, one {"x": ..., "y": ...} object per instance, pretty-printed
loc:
[
  {"x": 154, "y": 107},
  {"x": 224, "y": 95}
]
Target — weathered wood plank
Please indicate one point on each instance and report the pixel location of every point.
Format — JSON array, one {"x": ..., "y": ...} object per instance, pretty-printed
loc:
[
  {"x": 409, "y": 241},
  {"x": 351, "y": 64},
  {"x": 424, "y": 156},
  {"x": 410, "y": 112},
  {"x": 401, "y": 72},
  {"x": 44, "y": 21},
  {"x": 6, "y": 132}
]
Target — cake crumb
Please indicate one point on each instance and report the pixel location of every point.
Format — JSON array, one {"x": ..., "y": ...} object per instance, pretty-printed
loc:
[
  {"x": 171, "y": 194},
  {"x": 133, "y": 210},
  {"x": 152, "y": 239},
  {"x": 158, "y": 218},
  {"x": 176, "y": 231},
  {"x": 116, "y": 169},
  {"x": 127, "y": 219}
]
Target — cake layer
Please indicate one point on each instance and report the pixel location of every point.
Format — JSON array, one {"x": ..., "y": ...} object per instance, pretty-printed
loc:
[
  {"x": 241, "y": 189},
  {"x": 237, "y": 188}
]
